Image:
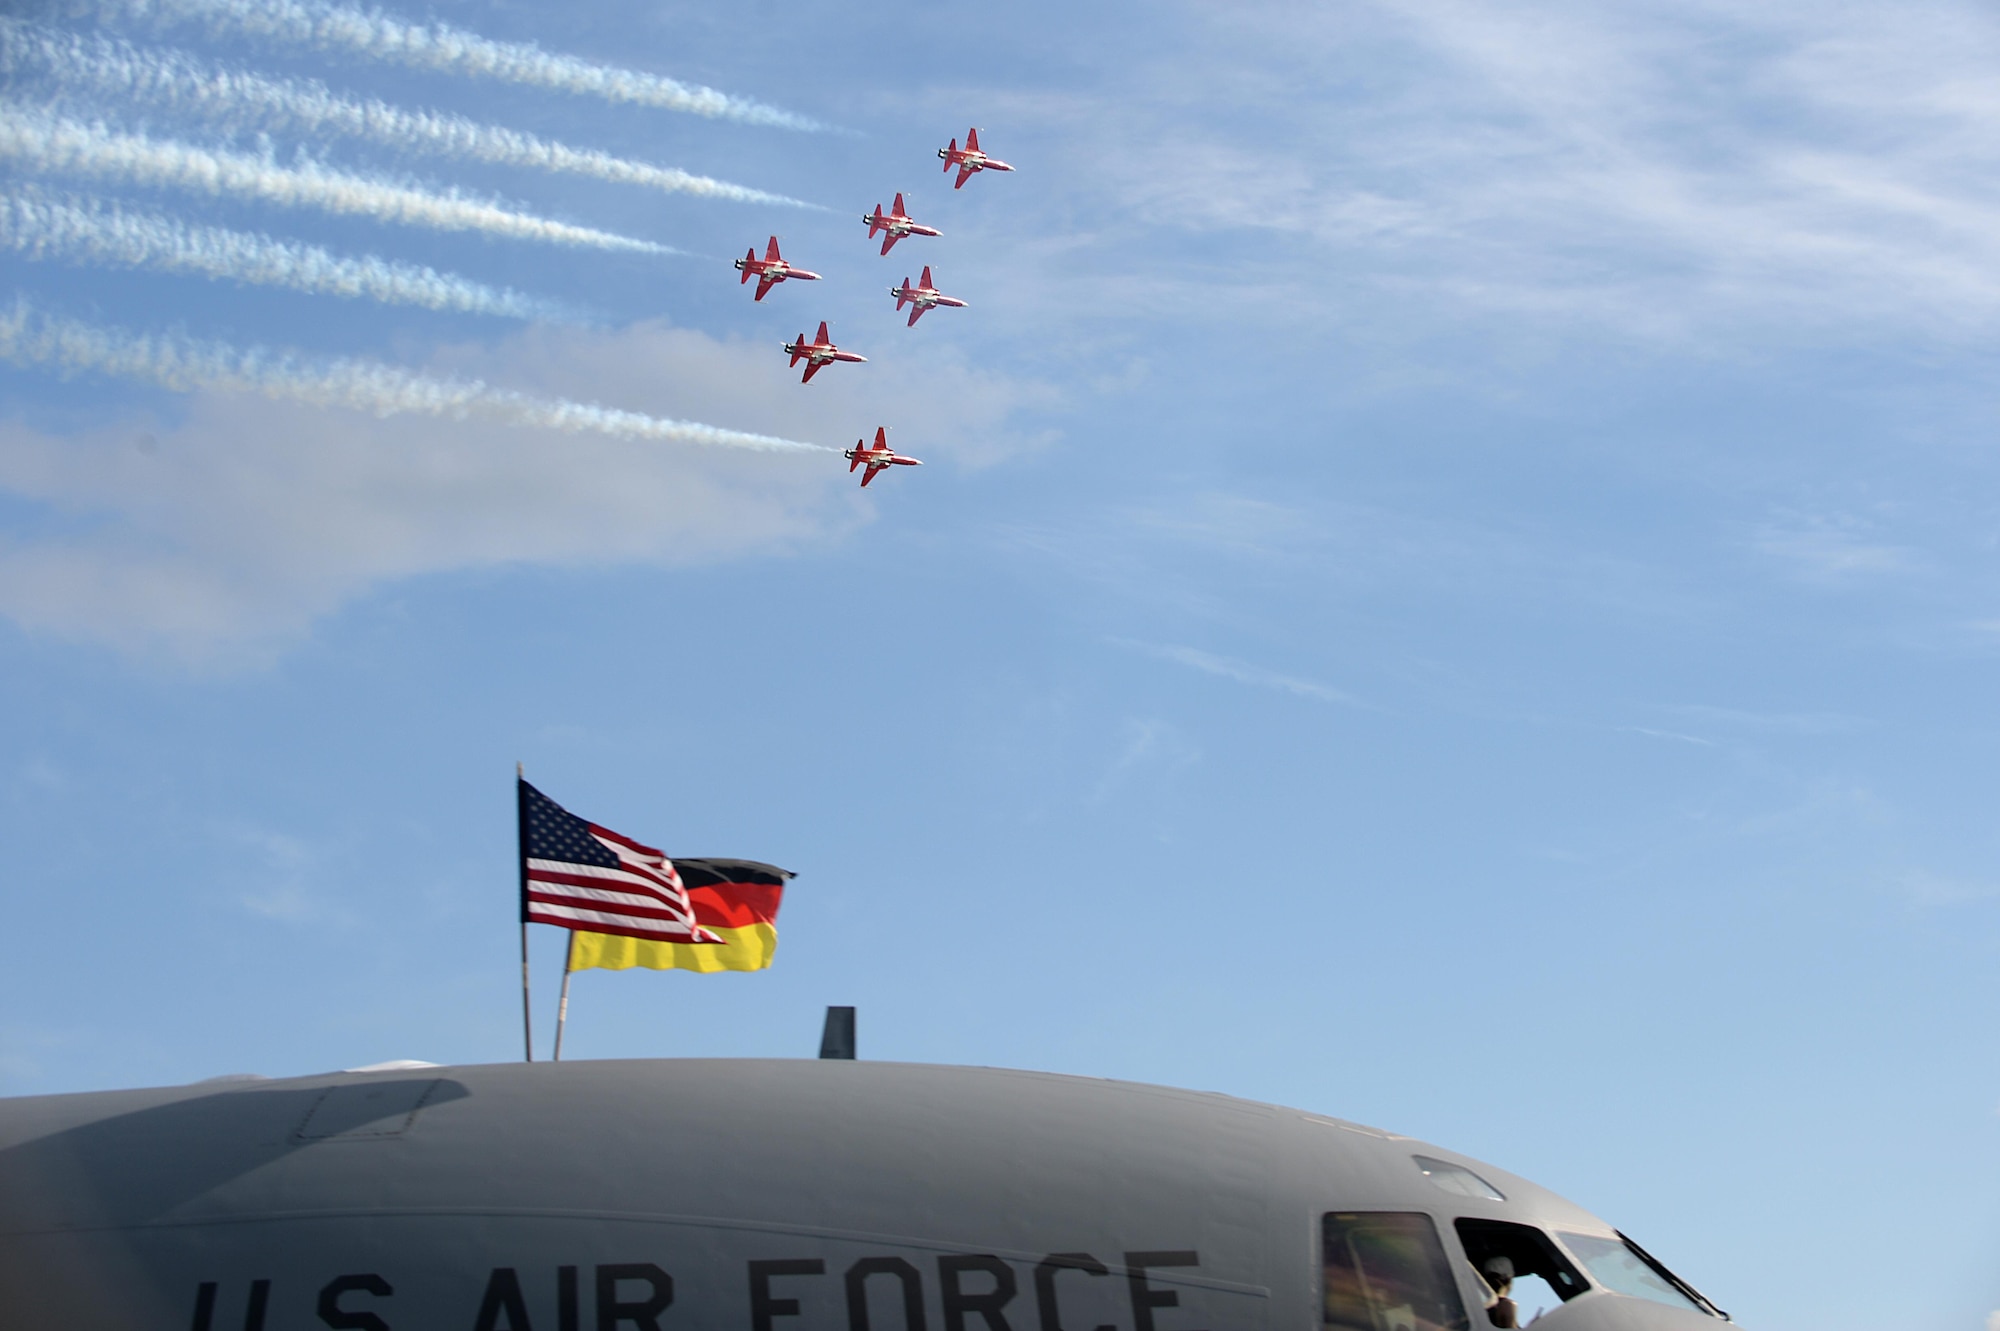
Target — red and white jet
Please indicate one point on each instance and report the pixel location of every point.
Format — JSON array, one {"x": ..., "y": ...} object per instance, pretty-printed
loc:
[
  {"x": 879, "y": 458},
  {"x": 897, "y": 224},
  {"x": 769, "y": 270},
  {"x": 969, "y": 159},
  {"x": 819, "y": 353},
  {"x": 923, "y": 296}
]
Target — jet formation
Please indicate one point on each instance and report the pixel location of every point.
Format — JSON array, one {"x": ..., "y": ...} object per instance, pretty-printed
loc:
[
  {"x": 819, "y": 353},
  {"x": 892, "y": 226},
  {"x": 921, "y": 297},
  {"x": 969, "y": 159},
  {"x": 769, "y": 270},
  {"x": 895, "y": 225},
  {"x": 881, "y": 457}
]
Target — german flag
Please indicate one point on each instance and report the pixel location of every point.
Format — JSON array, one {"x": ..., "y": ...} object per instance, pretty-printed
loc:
[{"x": 735, "y": 899}]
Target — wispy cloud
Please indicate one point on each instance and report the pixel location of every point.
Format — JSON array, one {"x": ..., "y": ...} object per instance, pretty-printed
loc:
[
  {"x": 96, "y": 232},
  {"x": 376, "y": 35},
  {"x": 47, "y": 143},
  {"x": 1923, "y": 888},
  {"x": 221, "y": 534},
  {"x": 245, "y": 101},
  {"x": 1242, "y": 672},
  {"x": 1832, "y": 548},
  {"x": 1694, "y": 173},
  {"x": 1149, "y": 745},
  {"x": 1197, "y": 552},
  {"x": 1673, "y": 735},
  {"x": 1797, "y": 723},
  {"x": 30, "y": 337},
  {"x": 284, "y": 868}
]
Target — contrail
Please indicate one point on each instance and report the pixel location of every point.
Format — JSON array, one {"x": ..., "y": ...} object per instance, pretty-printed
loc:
[
  {"x": 442, "y": 47},
  {"x": 51, "y": 143},
  {"x": 29, "y": 337},
  {"x": 94, "y": 232},
  {"x": 246, "y": 100}
]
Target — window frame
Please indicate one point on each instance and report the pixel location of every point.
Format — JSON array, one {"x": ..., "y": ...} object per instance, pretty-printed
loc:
[
  {"x": 1701, "y": 1301},
  {"x": 1456, "y": 1270}
]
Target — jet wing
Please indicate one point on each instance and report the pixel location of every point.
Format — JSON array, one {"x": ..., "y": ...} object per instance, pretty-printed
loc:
[
  {"x": 764, "y": 284},
  {"x": 873, "y": 467},
  {"x": 964, "y": 174}
]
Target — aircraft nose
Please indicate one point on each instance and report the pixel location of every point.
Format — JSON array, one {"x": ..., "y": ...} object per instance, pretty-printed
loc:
[{"x": 1599, "y": 1311}]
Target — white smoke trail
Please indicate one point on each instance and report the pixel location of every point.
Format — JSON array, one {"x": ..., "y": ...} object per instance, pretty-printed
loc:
[
  {"x": 94, "y": 232},
  {"x": 179, "y": 81},
  {"x": 51, "y": 143},
  {"x": 439, "y": 46},
  {"x": 29, "y": 337}
]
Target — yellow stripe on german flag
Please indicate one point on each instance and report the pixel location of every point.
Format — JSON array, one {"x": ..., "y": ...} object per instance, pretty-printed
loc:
[
  {"x": 749, "y": 949},
  {"x": 737, "y": 900}
]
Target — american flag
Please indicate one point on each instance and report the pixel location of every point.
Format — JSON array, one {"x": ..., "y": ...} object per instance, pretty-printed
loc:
[{"x": 578, "y": 875}]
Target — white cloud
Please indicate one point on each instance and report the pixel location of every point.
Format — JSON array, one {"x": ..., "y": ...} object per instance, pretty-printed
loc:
[
  {"x": 283, "y": 867},
  {"x": 1149, "y": 746},
  {"x": 1196, "y": 554},
  {"x": 1833, "y": 548},
  {"x": 223, "y": 535},
  {"x": 1797, "y": 723},
  {"x": 1698, "y": 172},
  {"x": 1673, "y": 735},
  {"x": 1924, "y": 888}
]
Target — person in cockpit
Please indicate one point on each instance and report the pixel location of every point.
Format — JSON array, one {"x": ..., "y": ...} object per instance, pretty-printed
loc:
[{"x": 1499, "y": 1273}]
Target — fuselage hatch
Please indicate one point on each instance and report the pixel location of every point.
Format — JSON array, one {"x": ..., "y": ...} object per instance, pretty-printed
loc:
[{"x": 774, "y": 1196}]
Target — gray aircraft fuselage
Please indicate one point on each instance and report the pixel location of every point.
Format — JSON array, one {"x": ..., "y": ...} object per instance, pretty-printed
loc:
[{"x": 761, "y": 1195}]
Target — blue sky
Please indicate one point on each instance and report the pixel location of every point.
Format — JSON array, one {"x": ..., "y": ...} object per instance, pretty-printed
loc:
[{"x": 1454, "y": 585}]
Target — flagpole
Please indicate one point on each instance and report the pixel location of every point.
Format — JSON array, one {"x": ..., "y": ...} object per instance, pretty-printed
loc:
[
  {"x": 562, "y": 1004},
  {"x": 527, "y": 1010}
]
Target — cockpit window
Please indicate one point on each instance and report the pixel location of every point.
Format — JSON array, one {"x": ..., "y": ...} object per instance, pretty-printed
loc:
[
  {"x": 1457, "y": 1179},
  {"x": 1387, "y": 1271},
  {"x": 1525, "y": 1271},
  {"x": 1620, "y": 1265}
]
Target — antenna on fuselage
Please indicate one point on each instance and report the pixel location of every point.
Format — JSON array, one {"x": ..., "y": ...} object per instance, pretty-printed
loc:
[{"x": 837, "y": 1040}]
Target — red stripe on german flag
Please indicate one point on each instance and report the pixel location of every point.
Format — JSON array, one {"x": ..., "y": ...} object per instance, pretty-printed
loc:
[{"x": 736, "y": 899}]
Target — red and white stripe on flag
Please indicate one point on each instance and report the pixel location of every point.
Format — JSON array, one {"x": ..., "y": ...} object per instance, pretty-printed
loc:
[{"x": 641, "y": 898}]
